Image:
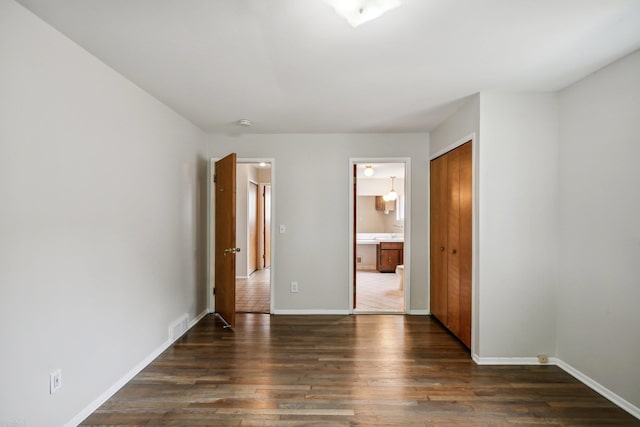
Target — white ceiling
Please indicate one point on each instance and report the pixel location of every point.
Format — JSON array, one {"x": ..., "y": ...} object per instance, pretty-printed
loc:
[{"x": 295, "y": 66}]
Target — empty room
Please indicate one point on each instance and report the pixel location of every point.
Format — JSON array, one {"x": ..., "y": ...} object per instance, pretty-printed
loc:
[{"x": 436, "y": 201}]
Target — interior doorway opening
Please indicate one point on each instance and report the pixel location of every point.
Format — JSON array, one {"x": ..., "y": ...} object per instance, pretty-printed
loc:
[
  {"x": 379, "y": 208},
  {"x": 253, "y": 236}
]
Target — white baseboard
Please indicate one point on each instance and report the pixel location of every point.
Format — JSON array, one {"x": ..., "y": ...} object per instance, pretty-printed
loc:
[
  {"x": 312, "y": 312},
  {"x": 597, "y": 387},
  {"x": 580, "y": 376},
  {"x": 91, "y": 407},
  {"x": 507, "y": 360},
  {"x": 420, "y": 312},
  {"x": 198, "y": 318}
]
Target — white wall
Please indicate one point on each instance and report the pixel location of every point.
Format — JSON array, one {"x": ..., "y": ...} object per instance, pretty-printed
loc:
[
  {"x": 379, "y": 186},
  {"x": 518, "y": 224},
  {"x": 459, "y": 125},
  {"x": 99, "y": 200},
  {"x": 370, "y": 220},
  {"x": 600, "y": 227},
  {"x": 311, "y": 197}
]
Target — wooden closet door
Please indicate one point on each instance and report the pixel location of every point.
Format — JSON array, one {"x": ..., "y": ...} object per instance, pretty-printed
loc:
[
  {"x": 450, "y": 231},
  {"x": 465, "y": 241},
  {"x": 438, "y": 232},
  {"x": 453, "y": 240}
]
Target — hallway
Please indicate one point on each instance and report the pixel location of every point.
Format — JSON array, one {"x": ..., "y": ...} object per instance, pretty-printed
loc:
[{"x": 253, "y": 294}]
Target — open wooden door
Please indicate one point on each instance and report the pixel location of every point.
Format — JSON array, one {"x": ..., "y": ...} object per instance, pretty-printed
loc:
[{"x": 225, "y": 240}]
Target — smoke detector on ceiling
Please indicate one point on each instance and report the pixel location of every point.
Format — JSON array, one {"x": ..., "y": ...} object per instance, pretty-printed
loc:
[{"x": 245, "y": 122}]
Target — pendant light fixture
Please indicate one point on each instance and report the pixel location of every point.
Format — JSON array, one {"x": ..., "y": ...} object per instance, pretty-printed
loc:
[
  {"x": 368, "y": 170},
  {"x": 391, "y": 195}
]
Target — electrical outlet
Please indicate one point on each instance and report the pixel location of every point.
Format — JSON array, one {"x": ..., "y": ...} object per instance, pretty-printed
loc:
[
  {"x": 283, "y": 229},
  {"x": 55, "y": 381},
  {"x": 294, "y": 287},
  {"x": 543, "y": 358}
]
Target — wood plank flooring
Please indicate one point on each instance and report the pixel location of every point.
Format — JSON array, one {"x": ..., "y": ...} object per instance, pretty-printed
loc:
[{"x": 383, "y": 370}]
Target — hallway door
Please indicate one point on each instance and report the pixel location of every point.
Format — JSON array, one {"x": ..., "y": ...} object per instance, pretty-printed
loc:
[{"x": 225, "y": 240}]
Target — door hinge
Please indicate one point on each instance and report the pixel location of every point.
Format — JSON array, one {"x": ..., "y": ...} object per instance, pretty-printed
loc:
[
  {"x": 214, "y": 291},
  {"x": 215, "y": 177}
]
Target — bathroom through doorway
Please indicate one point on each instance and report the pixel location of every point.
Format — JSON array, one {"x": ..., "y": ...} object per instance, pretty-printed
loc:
[{"x": 379, "y": 247}]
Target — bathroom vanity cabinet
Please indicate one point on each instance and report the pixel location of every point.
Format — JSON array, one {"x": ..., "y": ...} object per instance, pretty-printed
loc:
[
  {"x": 382, "y": 205},
  {"x": 389, "y": 255}
]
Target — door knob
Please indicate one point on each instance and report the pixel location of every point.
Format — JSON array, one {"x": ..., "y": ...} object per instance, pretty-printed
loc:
[
  {"x": 231, "y": 250},
  {"x": 453, "y": 251},
  {"x": 441, "y": 248}
]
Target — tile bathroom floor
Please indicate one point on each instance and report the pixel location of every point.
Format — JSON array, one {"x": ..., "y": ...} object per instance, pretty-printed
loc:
[{"x": 378, "y": 292}]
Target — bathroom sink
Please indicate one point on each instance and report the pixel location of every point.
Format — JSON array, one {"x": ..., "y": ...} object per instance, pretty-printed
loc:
[{"x": 390, "y": 239}]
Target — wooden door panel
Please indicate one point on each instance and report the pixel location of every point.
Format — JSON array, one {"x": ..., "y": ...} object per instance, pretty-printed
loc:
[
  {"x": 465, "y": 241},
  {"x": 438, "y": 236},
  {"x": 225, "y": 231},
  {"x": 453, "y": 239}
]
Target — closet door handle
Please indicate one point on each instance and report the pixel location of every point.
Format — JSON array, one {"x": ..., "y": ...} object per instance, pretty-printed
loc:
[
  {"x": 453, "y": 251},
  {"x": 441, "y": 248}
]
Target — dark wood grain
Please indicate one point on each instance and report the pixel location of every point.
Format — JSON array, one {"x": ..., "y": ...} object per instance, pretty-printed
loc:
[
  {"x": 453, "y": 241},
  {"x": 386, "y": 370},
  {"x": 225, "y": 230}
]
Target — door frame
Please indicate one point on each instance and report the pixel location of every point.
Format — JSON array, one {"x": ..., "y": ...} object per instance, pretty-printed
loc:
[
  {"x": 266, "y": 233},
  {"x": 407, "y": 224},
  {"x": 211, "y": 228},
  {"x": 475, "y": 312},
  {"x": 257, "y": 227}
]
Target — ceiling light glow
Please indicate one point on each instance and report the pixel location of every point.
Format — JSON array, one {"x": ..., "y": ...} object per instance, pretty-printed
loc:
[{"x": 357, "y": 12}]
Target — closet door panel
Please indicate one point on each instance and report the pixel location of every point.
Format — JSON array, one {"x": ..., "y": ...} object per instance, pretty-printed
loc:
[
  {"x": 438, "y": 238},
  {"x": 453, "y": 235},
  {"x": 465, "y": 242}
]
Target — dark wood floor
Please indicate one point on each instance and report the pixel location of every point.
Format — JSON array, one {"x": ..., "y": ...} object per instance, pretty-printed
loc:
[{"x": 344, "y": 371}]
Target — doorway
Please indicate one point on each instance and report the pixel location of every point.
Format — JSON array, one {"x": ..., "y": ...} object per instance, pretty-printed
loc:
[
  {"x": 253, "y": 208},
  {"x": 379, "y": 248}
]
